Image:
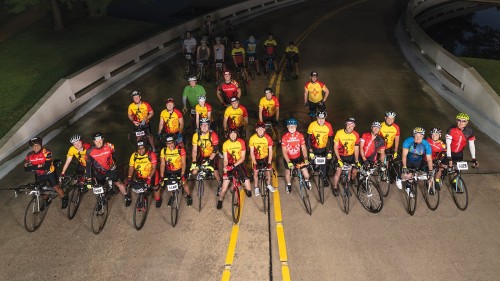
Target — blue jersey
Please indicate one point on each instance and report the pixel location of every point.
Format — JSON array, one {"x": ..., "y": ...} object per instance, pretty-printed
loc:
[{"x": 416, "y": 151}]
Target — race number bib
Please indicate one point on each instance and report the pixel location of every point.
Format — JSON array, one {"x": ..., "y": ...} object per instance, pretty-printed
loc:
[
  {"x": 98, "y": 190},
  {"x": 172, "y": 187},
  {"x": 320, "y": 160},
  {"x": 462, "y": 165},
  {"x": 139, "y": 133}
]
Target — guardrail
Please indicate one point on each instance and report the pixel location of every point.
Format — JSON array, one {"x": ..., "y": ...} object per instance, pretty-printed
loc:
[
  {"x": 471, "y": 92},
  {"x": 74, "y": 91}
]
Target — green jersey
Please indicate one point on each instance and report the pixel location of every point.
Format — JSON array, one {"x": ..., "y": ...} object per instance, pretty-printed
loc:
[{"x": 192, "y": 94}]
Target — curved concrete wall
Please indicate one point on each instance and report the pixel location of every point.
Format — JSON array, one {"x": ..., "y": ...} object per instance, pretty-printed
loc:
[{"x": 468, "y": 90}]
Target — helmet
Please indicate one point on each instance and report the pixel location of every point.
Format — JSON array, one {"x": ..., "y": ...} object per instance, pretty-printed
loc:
[
  {"x": 251, "y": 39},
  {"x": 436, "y": 130},
  {"x": 217, "y": 39},
  {"x": 268, "y": 90},
  {"x": 390, "y": 114},
  {"x": 35, "y": 140},
  {"x": 75, "y": 138},
  {"x": 97, "y": 136},
  {"x": 350, "y": 120},
  {"x": 141, "y": 143},
  {"x": 233, "y": 129},
  {"x": 192, "y": 78},
  {"x": 376, "y": 124},
  {"x": 290, "y": 43},
  {"x": 202, "y": 98},
  {"x": 314, "y": 73},
  {"x": 169, "y": 138},
  {"x": 463, "y": 116},
  {"x": 292, "y": 121},
  {"x": 233, "y": 99},
  {"x": 170, "y": 100},
  {"x": 260, "y": 124},
  {"x": 204, "y": 121},
  {"x": 419, "y": 130},
  {"x": 135, "y": 93},
  {"x": 321, "y": 114},
  {"x": 203, "y": 41}
]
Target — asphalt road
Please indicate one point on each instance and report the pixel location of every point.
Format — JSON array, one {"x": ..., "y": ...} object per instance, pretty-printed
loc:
[{"x": 354, "y": 50}]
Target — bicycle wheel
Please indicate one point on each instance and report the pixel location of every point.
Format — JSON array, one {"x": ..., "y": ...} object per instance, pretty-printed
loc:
[
  {"x": 430, "y": 194},
  {"x": 141, "y": 211},
  {"x": 201, "y": 189},
  {"x": 74, "y": 199},
  {"x": 35, "y": 213},
  {"x": 411, "y": 199},
  {"x": 99, "y": 215},
  {"x": 370, "y": 196},
  {"x": 321, "y": 189},
  {"x": 236, "y": 206},
  {"x": 459, "y": 193},
  {"x": 251, "y": 70},
  {"x": 305, "y": 197},
  {"x": 174, "y": 211},
  {"x": 385, "y": 182},
  {"x": 264, "y": 194},
  {"x": 344, "y": 187}
]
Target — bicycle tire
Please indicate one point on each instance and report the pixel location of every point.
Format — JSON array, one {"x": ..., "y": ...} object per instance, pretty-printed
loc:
[
  {"x": 201, "y": 189},
  {"x": 141, "y": 211},
  {"x": 411, "y": 202},
  {"x": 74, "y": 199},
  {"x": 99, "y": 217},
  {"x": 344, "y": 189},
  {"x": 370, "y": 196},
  {"x": 431, "y": 196},
  {"x": 251, "y": 70},
  {"x": 174, "y": 211},
  {"x": 263, "y": 194},
  {"x": 321, "y": 189},
  {"x": 459, "y": 193},
  {"x": 305, "y": 197},
  {"x": 236, "y": 204},
  {"x": 385, "y": 185},
  {"x": 35, "y": 214}
]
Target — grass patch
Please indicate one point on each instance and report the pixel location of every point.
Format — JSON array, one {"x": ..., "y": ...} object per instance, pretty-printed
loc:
[
  {"x": 489, "y": 69},
  {"x": 36, "y": 58}
]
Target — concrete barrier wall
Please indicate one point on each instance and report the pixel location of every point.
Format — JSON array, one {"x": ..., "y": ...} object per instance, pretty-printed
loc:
[
  {"x": 71, "y": 92},
  {"x": 470, "y": 89}
]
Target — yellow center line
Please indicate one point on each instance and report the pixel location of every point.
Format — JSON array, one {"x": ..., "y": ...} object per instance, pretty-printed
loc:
[{"x": 226, "y": 274}]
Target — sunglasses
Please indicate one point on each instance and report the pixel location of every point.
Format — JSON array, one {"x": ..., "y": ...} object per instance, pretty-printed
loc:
[{"x": 463, "y": 121}]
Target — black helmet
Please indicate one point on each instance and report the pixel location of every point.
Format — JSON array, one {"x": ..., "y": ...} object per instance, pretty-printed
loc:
[
  {"x": 141, "y": 143},
  {"x": 135, "y": 93},
  {"x": 97, "y": 136},
  {"x": 35, "y": 140},
  {"x": 169, "y": 138},
  {"x": 233, "y": 129}
]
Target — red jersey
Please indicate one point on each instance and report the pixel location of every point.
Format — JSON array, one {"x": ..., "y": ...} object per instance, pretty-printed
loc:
[
  {"x": 371, "y": 146},
  {"x": 438, "y": 147},
  {"x": 101, "y": 159},
  {"x": 459, "y": 138},
  {"x": 293, "y": 143},
  {"x": 229, "y": 89},
  {"x": 35, "y": 159}
]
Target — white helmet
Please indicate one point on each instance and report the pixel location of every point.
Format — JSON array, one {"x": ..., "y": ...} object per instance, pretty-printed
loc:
[{"x": 75, "y": 138}]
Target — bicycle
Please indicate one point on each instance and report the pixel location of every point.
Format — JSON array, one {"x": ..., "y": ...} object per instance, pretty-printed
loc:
[
  {"x": 302, "y": 186},
  {"x": 141, "y": 208},
  {"x": 289, "y": 68},
  {"x": 101, "y": 210},
  {"x": 430, "y": 192},
  {"x": 241, "y": 76},
  {"x": 235, "y": 196},
  {"x": 273, "y": 132},
  {"x": 368, "y": 192},
  {"x": 75, "y": 193},
  {"x": 188, "y": 68},
  {"x": 202, "y": 70},
  {"x": 252, "y": 69},
  {"x": 141, "y": 133},
  {"x": 204, "y": 172},
  {"x": 269, "y": 65},
  {"x": 388, "y": 175},
  {"x": 318, "y": 162},
  {"x": 345, "y": 184},
  {"x": 456, "y": 184},
  {"x": 172, "y": 185},
  {"x": 264, "y": 192},
  {"x": 219, "y": 70},
  {"x": 411, "y": 189}
]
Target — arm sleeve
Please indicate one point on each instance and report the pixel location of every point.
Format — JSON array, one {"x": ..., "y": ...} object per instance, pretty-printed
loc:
[
  {"x": 448, "y": 147},
  {"x": 472, "y": 148},
  {"x": 308, "y": 141}
]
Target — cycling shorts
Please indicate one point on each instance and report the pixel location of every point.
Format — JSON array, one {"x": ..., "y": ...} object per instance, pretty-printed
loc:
[
  {"x": 459, "y": 156},
  {"x": 50, "y": 178},
  {"x": 348, "y": 159},
  {"x": 111, "y": 174},
  {"x": 295, "y": 161},
  {"x": 242, "y": 173},
  {"x": 146, "y": 128},
  {"x": 261, "y": 164},
  {"x": 415, "y": 164}
]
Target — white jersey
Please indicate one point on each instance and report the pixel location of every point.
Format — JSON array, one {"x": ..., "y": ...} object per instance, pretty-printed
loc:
[
  {"x": 219, "y": 52},
  {"x": 189, "y": 45}
]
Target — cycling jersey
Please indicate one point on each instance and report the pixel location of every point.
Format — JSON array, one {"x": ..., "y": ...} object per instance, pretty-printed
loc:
[
  {"x": 173, "y": 158},
  {"x": 238, "y": 54},
  {"x": 171, "y": 120},
  {"x": 139, "y": 111},
  {"x": 270, "y": 46},
  {"x": 459, "y": 138},
  {"x": 235, "y": 117},
  {"x": 233, "y": 150},
  {"x": 218, "y": 52},
  {"x": 203, "y": 110},
  {"x": 315, "y": 90},
  {"x": 292, "y": 50},
  {"x": 260, "y": 145},
  {"x": 40, "y": 158},
  {"x": 389, "y": 133},
  {"x": 438, "y": 147},
  {"x": 193, "y": 93},
  {"x": 229, "y": 90},
  {"x": 101, "y": 159},
  {"x": 143, "y": 164},
  {"x": 203, "y": 53},
  {"x": 251, "y": 48},
  {"x": 293, "y": 143},
  {"x": 269, "y": 106},
  {"x": 206, "y": 143},
  {"x": 319, "y": 134},
  {"x": 371, "y": 146},
  {"x": 80, "y": 155},
  {"x": 189, "y": 44},
  {"x": 346, "y": 142},
  {"x": 416, "y": 151}
]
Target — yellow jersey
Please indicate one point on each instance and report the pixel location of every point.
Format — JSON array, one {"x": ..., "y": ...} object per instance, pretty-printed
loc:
[
  {"x": 171, "y": 120},
  {"x": 260, "y": 145},
  {"x": 173, "y": 157},
  {"x": 315, "y": 91},
  {"x": 389, "y": 133},
  {"x": 143, "y": 164},
  {"x": 346, "y": 142},
  {"x": 319, "y": 134},
  {"x": 236, "y": 116},
  {"x": 233, "y": 149},
  {"x": 269, "y": 107}
]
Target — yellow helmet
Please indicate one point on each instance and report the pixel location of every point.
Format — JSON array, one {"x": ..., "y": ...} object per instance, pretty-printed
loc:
[{"x": 462, "y": 116}]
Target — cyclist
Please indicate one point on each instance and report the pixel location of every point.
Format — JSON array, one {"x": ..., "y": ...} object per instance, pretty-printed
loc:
[
  {"x": 292, "y": 144},
  {"x": 390, "y": 132},
  {"x": 270, "y": 48},
  {"x": 315, "y": 94},
  {"x": 229, "y": 33},
  {"x": 292, "y": 54},
  {"x": 40, "y": 161},
  {"x": 144, "y": 163},
  {"x": 190, "y": 94},
  {"x": 208, "y": 26},
  {"x": 228, "y": 89},
  {"x": 416, "y": 152},
  {"x": 189, "y": 46},
  {"x": 219, "y": 52},
  {"x": 173, "y": 164},
  {"x": 101, "y": 160},
  {"x": 205, "y": 149},
  {"x": 171, "y": 122},
  {"x": 78, "y": 150},
  {"x": 203, "y": 110},
  {"x": 346, "y": 148},
  {"x": 239, "y": 59},
  {"x": 139, "y": 113},
  {"x": 251, "y": 51},
  {"x": 261, "y": 154},
  {"x": 457, "y": 137},
  {"x": 372, "y": 143},
  {"x": 319, "y": 141},
  {"x": 438, "y": 152},
  {"x": 203, "y": 56},
  {"x": 235, "y": 116},
  {"x": 269, "y": 107},
  {"x": 234, "y": 151}
]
